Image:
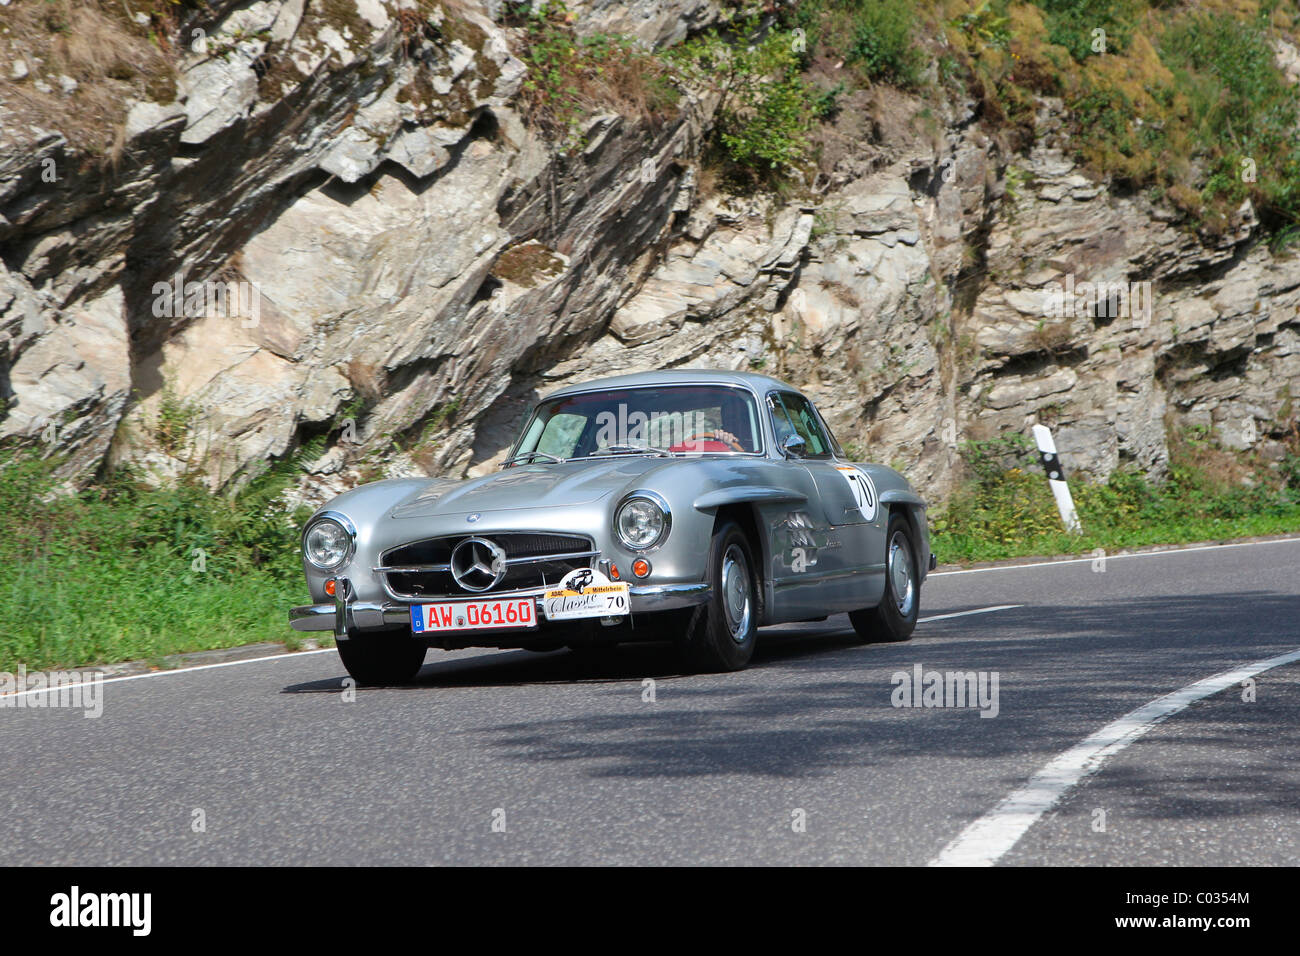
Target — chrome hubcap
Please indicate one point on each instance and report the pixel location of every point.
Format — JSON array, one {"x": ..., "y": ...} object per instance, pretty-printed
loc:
[
  {"x": 900, "y": 574},
  {"x": 735, "y": 593}
]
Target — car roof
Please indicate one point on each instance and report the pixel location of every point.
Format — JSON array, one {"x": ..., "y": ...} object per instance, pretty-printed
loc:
[{"x": 680, "y": 376}]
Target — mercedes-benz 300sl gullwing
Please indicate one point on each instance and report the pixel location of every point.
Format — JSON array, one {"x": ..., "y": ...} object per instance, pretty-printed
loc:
[{"x": 687, "y": 505}]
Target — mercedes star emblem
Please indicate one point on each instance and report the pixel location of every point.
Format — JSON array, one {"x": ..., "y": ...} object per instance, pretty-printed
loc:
[{"x": 478, "y": 564}]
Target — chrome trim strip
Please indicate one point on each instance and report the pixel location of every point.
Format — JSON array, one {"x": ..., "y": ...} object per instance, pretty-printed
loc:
[
  {"x": 312, "y": 617},
  {"x": 652, "y": 589},
  {"x": 510, "y": 562},
  {"x": 467, "y": 596},
  {"x": 831, "y": 576},
  {"x": 542, "y": 559},
  {"x": 412, "y": 569}
]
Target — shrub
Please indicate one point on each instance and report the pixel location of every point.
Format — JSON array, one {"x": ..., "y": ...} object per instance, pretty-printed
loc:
[
  {"x": 881, "y": 40},
  {"x": 1242, "y": 110},
  {"x": 1073, "y": 24},
  {"x": 767, "y": 111}
]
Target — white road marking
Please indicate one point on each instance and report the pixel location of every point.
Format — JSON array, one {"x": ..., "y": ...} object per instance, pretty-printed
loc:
[
  {"x": 1113, "y": 557},
  {"x": 986, "y": 840},
  {"x": 178, "y": 670},
  {"x": 979, "y": 610}
]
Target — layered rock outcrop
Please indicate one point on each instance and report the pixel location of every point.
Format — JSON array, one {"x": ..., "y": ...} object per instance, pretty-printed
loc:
[{"x": 343, "y": 228}]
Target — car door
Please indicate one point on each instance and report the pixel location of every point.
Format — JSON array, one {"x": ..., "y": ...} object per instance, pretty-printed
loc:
[
  {"x": 849, "y": 506},
  {"x": 824, "y": 575}
]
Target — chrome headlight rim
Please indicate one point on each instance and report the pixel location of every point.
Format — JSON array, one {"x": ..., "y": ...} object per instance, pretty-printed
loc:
[
  {"x": 344, "y": 522},
  {"x": 659, "y": 502}
]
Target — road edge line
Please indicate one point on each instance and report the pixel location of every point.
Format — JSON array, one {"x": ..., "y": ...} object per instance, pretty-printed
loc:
[
  {"x": 988, "y": 839},
  {"x": 1155, "y": 551},
  {"x": 166, "y": 673}
]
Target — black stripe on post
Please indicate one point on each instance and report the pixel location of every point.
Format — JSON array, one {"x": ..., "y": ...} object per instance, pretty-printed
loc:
[{"x": 1052, "y": 465}]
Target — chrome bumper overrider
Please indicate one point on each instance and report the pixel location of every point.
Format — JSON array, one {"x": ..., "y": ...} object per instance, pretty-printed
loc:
[{"x": 339, "y": 615}]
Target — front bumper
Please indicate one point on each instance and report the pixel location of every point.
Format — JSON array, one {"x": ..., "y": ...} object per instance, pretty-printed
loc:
[{"x": 343, "y": 615}]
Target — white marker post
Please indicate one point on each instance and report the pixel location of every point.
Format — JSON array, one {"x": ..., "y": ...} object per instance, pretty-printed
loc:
[{"x": 1056, "y": 478}]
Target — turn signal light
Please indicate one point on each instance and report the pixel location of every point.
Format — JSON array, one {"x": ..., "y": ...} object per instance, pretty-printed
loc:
[
  {"x": 329, "y": 587},
  {"x": 613, "y": 572},
  {"x": 640, "y": 567}
]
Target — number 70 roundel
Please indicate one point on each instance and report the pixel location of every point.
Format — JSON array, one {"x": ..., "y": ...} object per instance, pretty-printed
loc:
[{"x": 864, "y": 490}]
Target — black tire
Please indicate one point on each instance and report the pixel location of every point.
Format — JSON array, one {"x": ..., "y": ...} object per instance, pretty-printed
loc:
[
  {"x": 382, "y": 657},
  {"x": 893, "y": 619},
  {"x": 721, "y": 635}
]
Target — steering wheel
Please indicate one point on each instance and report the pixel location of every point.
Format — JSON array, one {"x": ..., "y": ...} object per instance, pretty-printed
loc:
[{"x": 715, "y": 436}]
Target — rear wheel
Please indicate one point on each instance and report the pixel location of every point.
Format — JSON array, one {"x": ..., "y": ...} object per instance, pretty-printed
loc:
[
  {"x": 382, "y": 657},
  {"x": 720, "y": 635},
  {"x": 894, "y": 617}
]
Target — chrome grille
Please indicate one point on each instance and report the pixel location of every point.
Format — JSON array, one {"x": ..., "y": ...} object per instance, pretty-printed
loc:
[{"x": 534, "y": 560}]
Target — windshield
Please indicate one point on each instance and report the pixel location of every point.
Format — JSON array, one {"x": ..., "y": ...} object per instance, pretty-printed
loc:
[{"x": 658, "y": 420}]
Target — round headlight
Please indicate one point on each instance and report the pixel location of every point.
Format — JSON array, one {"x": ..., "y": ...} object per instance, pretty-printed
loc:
[
  {"x": 641, "y": 523},
  {"x": 327, "y": 544}
]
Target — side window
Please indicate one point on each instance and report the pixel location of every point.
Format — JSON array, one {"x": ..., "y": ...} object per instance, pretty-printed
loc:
[
  {"x": 835, "y": 445},
  {"x": 780, "y": 420},
  {"x": 806, "y": 423}
]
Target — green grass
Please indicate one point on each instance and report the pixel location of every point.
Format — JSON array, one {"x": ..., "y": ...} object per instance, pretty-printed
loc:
[
  {"x": 1006, "y": 509},
  {"x": 123, "y": 571},
  {"x": 1243, "y": 112}
]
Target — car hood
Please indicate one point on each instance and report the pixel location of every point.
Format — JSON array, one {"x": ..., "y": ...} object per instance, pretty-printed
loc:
[{"x": 526, "y": 487}]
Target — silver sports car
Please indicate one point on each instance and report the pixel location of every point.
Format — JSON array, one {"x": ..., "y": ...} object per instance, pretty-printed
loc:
[{"x": 686, "y": 505}]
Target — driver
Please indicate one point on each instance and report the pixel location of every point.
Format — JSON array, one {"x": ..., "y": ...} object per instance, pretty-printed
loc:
[{"x": 735, "y": 424}]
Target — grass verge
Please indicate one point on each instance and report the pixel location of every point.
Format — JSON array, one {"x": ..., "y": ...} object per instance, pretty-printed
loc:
[
  {"x": 1005, "y": 509},
  {"x": 123, "y": 571}
]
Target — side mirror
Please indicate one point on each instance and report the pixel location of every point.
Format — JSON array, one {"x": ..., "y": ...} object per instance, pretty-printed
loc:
[{"x": 794, "y": 446}]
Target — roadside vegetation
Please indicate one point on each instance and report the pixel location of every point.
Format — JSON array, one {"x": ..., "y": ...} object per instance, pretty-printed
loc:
[
  {"x": 1185, "y": 102},
  {"x": 1005, "y": 508},
  {"x": 125, "y": 571}
]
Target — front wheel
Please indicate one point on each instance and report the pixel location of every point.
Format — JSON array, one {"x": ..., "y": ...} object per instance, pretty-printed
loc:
[
  {"x": 894, "y": 617},
  {"x": 382, "y": 657},
  {"x": 720, "y": 635}
]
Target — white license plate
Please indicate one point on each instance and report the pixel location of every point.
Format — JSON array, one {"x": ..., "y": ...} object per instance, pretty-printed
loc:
[
  {"x": 601, "y": 600},
  {"x": 494, "y": 615}
]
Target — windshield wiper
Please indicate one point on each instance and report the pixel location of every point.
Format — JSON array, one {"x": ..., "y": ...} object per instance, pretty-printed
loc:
[
  {"x": 638, "y": 450},
  {"x": 530, "y": 455}
]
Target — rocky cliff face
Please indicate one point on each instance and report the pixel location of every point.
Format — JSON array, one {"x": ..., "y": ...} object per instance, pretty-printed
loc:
[{"x": 342, "y": 227}]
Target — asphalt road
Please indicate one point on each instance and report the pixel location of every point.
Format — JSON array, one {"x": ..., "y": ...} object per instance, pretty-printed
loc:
[{"x": 583, "y": 769}]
